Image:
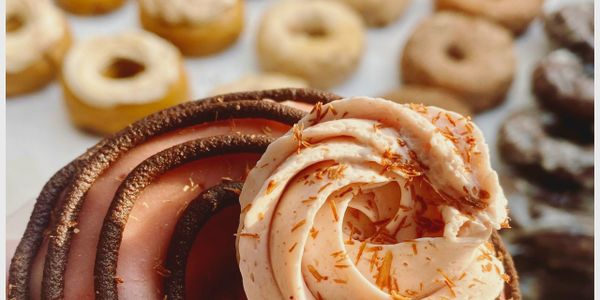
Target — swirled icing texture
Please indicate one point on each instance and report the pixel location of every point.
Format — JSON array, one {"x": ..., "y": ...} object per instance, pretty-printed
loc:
[
  {"x": 369, "y": 199},
  {"x": 85, "y": 63},
  {"x": 42, "y": 25},
  {"x": 187, "y": 11}
]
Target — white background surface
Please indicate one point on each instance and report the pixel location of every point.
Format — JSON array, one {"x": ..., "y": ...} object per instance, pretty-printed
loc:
[{"x": 40, "y": 138}]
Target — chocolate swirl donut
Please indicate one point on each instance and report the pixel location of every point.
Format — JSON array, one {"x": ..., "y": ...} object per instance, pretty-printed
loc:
[
  {"x": 56, "y": 257},
  {"x": 369, "y": 199}
]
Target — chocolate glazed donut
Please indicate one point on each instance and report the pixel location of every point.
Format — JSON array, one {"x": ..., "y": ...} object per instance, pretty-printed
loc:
[{"x": 66, "y": 192}]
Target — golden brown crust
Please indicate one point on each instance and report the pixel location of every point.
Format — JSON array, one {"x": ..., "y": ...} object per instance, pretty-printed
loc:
[
  {"x": 198, "y": 40},
  {"x": 90, "y": 7},
  {"x": 40, "y": 73}
]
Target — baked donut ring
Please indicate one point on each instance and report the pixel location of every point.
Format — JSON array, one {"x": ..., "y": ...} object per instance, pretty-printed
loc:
[
  {"x": 109, "y": 82},
  {"x": 478, "y": 66},
  {"x": 564, "y": 85},
  {"x": 90, "y": 7},
  {"x": 199, "y": 27},
  {"x": 428, "y": 96},
  {"x": 378, "y": 13},
  {"x": 320, "y": 41},
  {"x": 258, "y": 82},
  {"x": 515, "y": 15},
  {"x": 37, "y": 37},
  {"x": 526, "y": 142},
  {"x": 573, "y": 27}
]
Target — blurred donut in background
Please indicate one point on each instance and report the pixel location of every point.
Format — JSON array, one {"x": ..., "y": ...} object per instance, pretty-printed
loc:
[
  {"x": 90, "y": 7},
  {"x": 258, "y": 82},
  {"x": 514, "y": 15},
  {"x": 428, "y": 96},
  {"x": 468, "y": 56},
  {"x": 109, "y": 82},
  {"x": 197, "y": 28},
  {"x": 378, "y": 13},
  {"x": 37, "y": 37},
  {"x": 572, "y": 26},
  {"x": 320, "y": 41}
]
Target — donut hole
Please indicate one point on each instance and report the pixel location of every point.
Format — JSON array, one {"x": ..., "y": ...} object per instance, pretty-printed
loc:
[
  {"x": 14, "y": 22},
  {"x": 122, "y": 68},
  {"x": 314, "y": 29},
  {"x": 455, "y": 52}
]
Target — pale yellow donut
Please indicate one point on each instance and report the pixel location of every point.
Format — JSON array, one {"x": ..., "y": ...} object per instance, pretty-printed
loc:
[
  {"x": 321, "y": 41},
  {"x": 90, "y": 7},
  {"x": 37, "y": 37},
  {"x": 265, "y": 81},
  {"x": 197, "y": 27},
  {"x": 109, "y": 82},
  {"x": 378, "y": 13}
]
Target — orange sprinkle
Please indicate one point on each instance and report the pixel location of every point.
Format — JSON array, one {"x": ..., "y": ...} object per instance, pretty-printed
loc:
[
  {"x": 341, "y": 266},
  {"x": 446, "y": 278},
  {"x": 310, "y": 199},
  {"x": 247, "y": 208},
  {"x": 292, "y": 248},
  {"x": 271, "y": 186},
  {"x": 360, "y": 251},
  {"x": 333, "y": 209},
  {"x": 298, "y": 225},
  {"x": 383, "y": 276},
  {"x": 341, "y": 281},
  {"x": 324, "y": 187},
  {"x": 314, "y": 233},
  {"x": 252, "y": 235},
  {"x": 506, "y": 278},
  {"x": 450, "y": 288},
  {"x": 316, "y": 273},
  {"x": 414, "y": 248},
  {"x": 373, "y": 261},
  {"x": 375, "y": 248}
]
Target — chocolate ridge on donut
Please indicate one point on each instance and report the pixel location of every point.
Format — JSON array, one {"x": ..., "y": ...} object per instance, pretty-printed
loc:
[
  {"x": 100, "y": 157},
  {"x": 511, "y": 288},
  {"x": 116, "y": 219},
  {"x": 191, "y": 221}
]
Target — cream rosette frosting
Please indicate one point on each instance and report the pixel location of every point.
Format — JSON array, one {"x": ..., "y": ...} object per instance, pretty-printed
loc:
[{"x": 368, "y": 199}]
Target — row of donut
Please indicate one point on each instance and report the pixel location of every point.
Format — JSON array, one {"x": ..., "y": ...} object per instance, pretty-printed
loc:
[
  {"x": 551, "y": 150},
  {"x": 315, "y": 43}
]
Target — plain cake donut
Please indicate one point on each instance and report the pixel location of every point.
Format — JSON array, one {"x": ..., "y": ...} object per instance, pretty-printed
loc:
[
  {"x": 37, "y": 37},
  {"x": 198, "y": 27},
  {"x": 320, "y": 41},
  {"x": 468, "y": 56},
  {"x": 109, "y": 82},
  {"x": 90, "y": 7},
  {"x": 378, "y": 13}
]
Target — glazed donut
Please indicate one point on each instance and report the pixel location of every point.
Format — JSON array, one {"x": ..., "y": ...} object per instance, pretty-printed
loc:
[
  {"x": 369, "y": 199},
  {"x": 428, "y": 96},
  {"x": 515, "y": 15},
  {"x": 378, "y": 13},
  {"x": 90, "y": 7},
  {"x": 109, "y": 82},
  {"x": 198, "y": 27},
  {"x": 478, "y": 66},
  {"x": 573, "y": 27},
  {"x": 321, "y": 41},
  {"x": 564, "y": 85},
  {"x": 526, "y": 143},
  {"x": 265, "y": 81},
  {"x": 37, "y": 37}
]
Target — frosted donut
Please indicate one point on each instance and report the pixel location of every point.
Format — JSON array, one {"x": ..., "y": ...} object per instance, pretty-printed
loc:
[
  {"x": 109, "y": 82},
  {"x": 320, "y": 41},
  {"x": 257, "y": 82},
  {"x": 37, "y": 37},
  {"x": 90, "y": 7},
  {"x": 378, "y": 13},
  {"x": 198, "y": 27},
  {"x": 468, "y": 56},
  {"x": 515, "y": 15}
]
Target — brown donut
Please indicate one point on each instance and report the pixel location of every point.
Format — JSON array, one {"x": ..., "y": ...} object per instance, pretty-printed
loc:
[
  {"x": 428, "y": 96},
  {"x": 525, "y": 142},
  {"x": 65, "y": 193},
  {"x": 564, "y": 85},
  {"x": 478, "y": 66},
  {"x": 572, "y": 26},
  {"x": 514, "y": 15}
]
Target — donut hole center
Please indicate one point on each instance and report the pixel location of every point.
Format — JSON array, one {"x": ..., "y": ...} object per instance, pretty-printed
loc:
[
  {"x": 314, "y": 29},
  {"x": 455, "y": 52},
  {"x": 14, "y": 22},
  {"x": 122, "y": 68}
]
